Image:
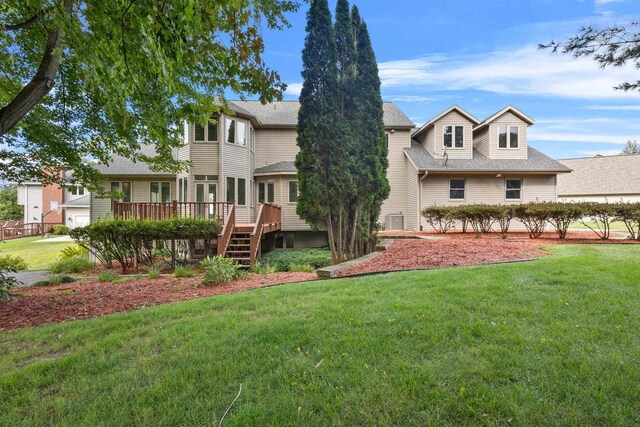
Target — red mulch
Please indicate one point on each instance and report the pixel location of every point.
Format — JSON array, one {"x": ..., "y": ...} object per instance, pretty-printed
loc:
[{"x": 48, "y": 304}]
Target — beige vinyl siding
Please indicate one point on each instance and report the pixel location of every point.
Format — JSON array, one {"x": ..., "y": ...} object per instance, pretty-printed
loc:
[
  {"x": 235, "y": 162},
  {"x": 275, "y": 145},
  {"x": 426, "y": 140},
  {"x": 411, "y": 216},
  {"x": 140, "y": 192},
  {"x": 396, "y": 173},
  {"x": 481, "y": 141},
  {"x": 508, "y": 119},
  {"x": 453, "y": 118}
]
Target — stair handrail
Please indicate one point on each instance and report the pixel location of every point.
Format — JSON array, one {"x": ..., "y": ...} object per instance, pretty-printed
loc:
[
  {"x": 256, "y": 234},
  {"x": 227, "y": 230}
]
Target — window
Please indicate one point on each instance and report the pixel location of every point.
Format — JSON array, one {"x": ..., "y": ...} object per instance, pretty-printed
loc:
[
  {"x": 509, "y": 139},
  {"x": 241, "y": 134},
  {"x": 182, "y": 189},
  {"x": 513, "y": 189},
  {"x": 231, "y": 189},
  {"x": 122, "y": 187},
  {"x": 457, "y": 189},
  {"x": 160, "y": 192},
  {"x": 293, "y": 191},
  {"x": 242, "y": 191},
  {"x": 76, "y": 191},
  {"x": 206, "y": 134},
  {"x": 252, "y": 138},
  {"x": 449, "y": 140},
  {"x": 231, "y": 131},
  {"x": 266, "y": 192},
  {"x": 387, "y": 138}
]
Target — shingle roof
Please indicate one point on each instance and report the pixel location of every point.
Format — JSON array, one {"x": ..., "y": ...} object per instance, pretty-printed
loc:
[
  {"x": 601, "y": 176},
  {"x": 285, "y": 113},
  {"x": 454, "y": 107},
  {"x": 275, "y": 168},
  {"x": 123, "y": 166},
  {"x": 78, "y": 203},
  {"x": 508, "y": 108},
  {"x": 536, "y": 162}
]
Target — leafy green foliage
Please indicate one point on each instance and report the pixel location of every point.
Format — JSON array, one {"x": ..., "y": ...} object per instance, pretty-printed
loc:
[
  {"x": 76, "y": 264},
  {"x": 60, "y": 230},
  {"x": 107, "y": 276},
  {"x": 260, "y": 267},
  {"x": 73, "y": 251},
  {"x": 632, "y": 147},
  {"x": 561, "y": 215},
  {"x": 55, "y": 279},
  {"x": 301, "y": 268},
  {"x": 124, "y": 73},
  {"x": 9, "y": 207},
  {"x": 440, "y": 218},
  {"x": 629, "y": 214},
  {"x": 153, "y": 273},
  {"x": 284, "y": 259},
  {"x": 220, "y": 270},
  {"x": 16, "y": 263},
  {"x": 601, "y": 215},
  {"x": 183, "y": 271},
  {"x": 127, "y": 240},
  {"x": 7, "y": 281}
]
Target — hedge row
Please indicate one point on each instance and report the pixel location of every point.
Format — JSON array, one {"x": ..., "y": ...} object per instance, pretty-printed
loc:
[
  {"x": 130, "y": 240},
  {"x": 535, "y": 216}
]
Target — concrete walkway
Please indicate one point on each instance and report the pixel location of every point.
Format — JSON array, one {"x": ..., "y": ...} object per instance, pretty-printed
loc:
[
  {"x": 29, "y": 277},
  {"x": 55, "y": 239}
]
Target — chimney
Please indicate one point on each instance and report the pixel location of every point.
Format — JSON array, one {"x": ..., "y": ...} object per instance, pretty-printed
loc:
[{"x": 52, "y": 197}]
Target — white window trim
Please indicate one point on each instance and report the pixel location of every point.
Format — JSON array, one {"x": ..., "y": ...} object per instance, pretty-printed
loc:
[
  {"x": 521, "y": 189},
  {"x": 508, "y": 147},
  {"x": 246, "y": 132},
  {"x": 453, "y": 137},
  {"x": 289, "y": 202},
  {"x": 464, "y": 199}
]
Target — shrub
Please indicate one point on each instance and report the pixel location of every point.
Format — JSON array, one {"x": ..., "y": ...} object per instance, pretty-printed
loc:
[
  {"x": 153, "y": 273},
  {"x": 220, "y": 270},
  {"x": 534, "y": 216},
  {"x": 629, "y": 214},
  {"x": 138, "y": 277},
  {"x": 503, "y": 214},
  {"x": 440, "y": 218},
  {"x": 74, "y": 251},
  {"x": 60, "y": 230},
  {"x": 480, "y": 217},
  {"x": 301, "y": 268},
  {"x": 183, "y": 272},
  {"x": 602, "y": 215},
  {"x": 561, "y": 215},
  {"x": 55, "y": 279},
  {"x": 263, "y": 268},
  {"x": 107, "y": 276},
  {"x": 7, "y": 282},
  {"x": 14, "y": 263},
  {"x": 283, "y": 259},
  {"x": 71, "y": 265}
]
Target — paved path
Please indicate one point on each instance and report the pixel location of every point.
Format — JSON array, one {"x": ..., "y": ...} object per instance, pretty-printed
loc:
[
  {"x": 55, "y": 239},
  {"x": 29, "y": 277}
]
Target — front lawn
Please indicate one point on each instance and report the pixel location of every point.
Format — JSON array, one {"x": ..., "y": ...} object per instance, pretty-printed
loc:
[
  {"x": 554, "y": 341},
  {"x": 38, "y": 255}
]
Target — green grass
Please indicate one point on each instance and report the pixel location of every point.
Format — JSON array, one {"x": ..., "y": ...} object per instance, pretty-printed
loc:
[
  {"x": 39, "y": 256},
  {"x": 615, "y": 226},
  {"x": 551, "y": 342}
]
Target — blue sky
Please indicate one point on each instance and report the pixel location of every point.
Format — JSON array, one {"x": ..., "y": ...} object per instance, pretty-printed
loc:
[{"x": 483, "y": 56}]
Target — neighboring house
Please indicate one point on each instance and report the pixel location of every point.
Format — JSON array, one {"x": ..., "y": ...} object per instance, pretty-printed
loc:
[
  {"x": 601, "y": 179},
  {"x": 68, "y": 205}
]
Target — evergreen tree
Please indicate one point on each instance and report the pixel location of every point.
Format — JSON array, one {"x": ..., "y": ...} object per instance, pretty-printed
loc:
[{"x": 322, "y": 161}]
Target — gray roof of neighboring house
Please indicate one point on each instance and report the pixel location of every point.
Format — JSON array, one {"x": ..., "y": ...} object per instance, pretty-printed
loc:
[
  {"x": 285, "y": 113},
  {"x": 80, "y": 202},
  {"x": 601, "y": 176},
  {"x": 275, "y": 168},
  {"x": 536, "y": 162},
  {"x": 123, "y": 166}
]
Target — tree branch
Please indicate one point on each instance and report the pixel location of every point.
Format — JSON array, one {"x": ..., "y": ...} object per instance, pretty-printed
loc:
[{"x": 25, "y": 24}]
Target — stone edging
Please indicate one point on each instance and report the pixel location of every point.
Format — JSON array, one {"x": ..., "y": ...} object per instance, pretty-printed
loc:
[{"x": 331, "y": 271}]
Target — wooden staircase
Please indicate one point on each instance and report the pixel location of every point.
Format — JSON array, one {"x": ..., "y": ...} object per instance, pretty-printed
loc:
[{"x": 241, "y": 242}]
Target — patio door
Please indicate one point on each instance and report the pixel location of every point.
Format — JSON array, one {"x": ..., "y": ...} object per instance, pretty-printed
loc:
[{"x": 206, "y": 192}]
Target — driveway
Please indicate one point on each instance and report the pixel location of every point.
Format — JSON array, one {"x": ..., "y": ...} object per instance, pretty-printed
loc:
[{"x": 29, "y": 277}]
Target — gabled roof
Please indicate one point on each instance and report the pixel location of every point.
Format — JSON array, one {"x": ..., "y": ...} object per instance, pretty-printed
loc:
[
  {"x": 508, "y": 108},
  {"x": 535, "y": 163},
  {"x": 601, "y": 175},
  {"x": 285, "y": 113},
  {"x": 123, "y": 166},
  {"x": 454, "y": 107},
  {"x": 284, "y": 167}
]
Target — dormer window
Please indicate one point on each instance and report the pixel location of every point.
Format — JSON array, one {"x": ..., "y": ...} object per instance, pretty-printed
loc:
[
  {"x": 454, "y": 136},
  {"x": 508, "y": 137}
]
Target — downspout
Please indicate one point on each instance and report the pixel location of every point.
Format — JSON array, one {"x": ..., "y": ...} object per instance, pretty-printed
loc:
[{"x": 420, "y": 198}]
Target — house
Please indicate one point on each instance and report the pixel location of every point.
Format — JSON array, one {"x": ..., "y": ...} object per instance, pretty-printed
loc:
[
  {"x": 242, "y": 171},
  {"x": 68, "y": 204},
  {"x": 601, "y": 179}
]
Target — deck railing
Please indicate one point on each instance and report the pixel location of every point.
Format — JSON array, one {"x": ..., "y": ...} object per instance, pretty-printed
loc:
[
  {"x": 269, "y": 219},
  {"x": 225, "y": 235},
  {"x": 160, "y": 211},
  {"x": 25, "y": 230}
]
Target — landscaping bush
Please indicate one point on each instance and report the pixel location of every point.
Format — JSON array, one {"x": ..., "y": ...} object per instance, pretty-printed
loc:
[
  {"x": 60, "y": 230},
  {"x": 74, "y": 251},
  {"x": 153, "y": 273},
  {"x": 283, "y": 259},
  {"x": 503, "y": 214},
  {"x": 301, "y": 268},
  {"x": 55, "y": 279},
  {"x": 7, "y": 282},
  {"x": 480, "y": 217},
  {"x": 440, "y": 218},
  {"x": 601, "y": 215},
  {"x": 107, "y": 276},
  {"x": 262, "y": 268},
  {"x": 220, "y": 270},
  {"x": 71, "y": 265},
  {"x": 183, "y": 271},
  {"x": 561, "y": 215},
  {"x": 534, "y": 216},
  {"x": 126, "y": 241},
  {"x": 15, "y": 263},
  {"x": 629, "y": 214}
]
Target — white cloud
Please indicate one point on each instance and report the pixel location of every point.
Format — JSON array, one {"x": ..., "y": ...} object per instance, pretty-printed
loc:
[
  {"x": 606, "y": 2},
  {"x": 614, "y": 107},
  {"x": 293, "y": 89},
  {"x": 410, "y": 98},
  {"x": 525, "y": 71},
  {"x": 587, "y": 138},
  {"x": 592, "y": 153}
]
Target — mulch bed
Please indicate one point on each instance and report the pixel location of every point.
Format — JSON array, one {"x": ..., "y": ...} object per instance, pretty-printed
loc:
[{"x": 71, "y": 301}]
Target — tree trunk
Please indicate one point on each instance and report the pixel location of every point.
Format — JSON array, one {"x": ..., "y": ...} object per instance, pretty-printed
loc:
[
  {"x": 354, "y": 231},
  {"x": 331, "y": 238}
]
